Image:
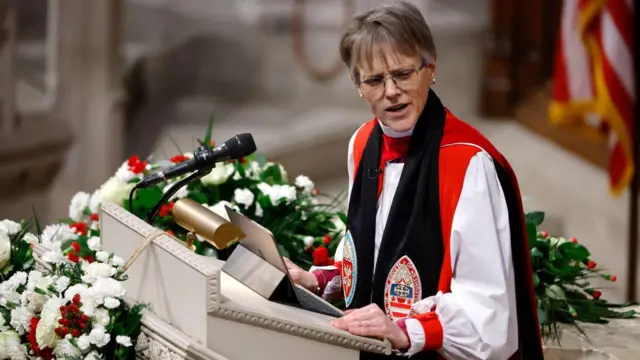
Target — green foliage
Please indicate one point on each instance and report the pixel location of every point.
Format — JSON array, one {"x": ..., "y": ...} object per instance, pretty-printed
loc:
[{"x": 562, "y": 274}]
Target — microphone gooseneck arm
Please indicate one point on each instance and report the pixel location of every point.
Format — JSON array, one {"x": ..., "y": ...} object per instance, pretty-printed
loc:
[{"x": 177, "y": 186}]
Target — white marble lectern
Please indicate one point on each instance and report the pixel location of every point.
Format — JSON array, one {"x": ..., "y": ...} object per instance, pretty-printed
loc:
[{"x": 213, "y": 312}]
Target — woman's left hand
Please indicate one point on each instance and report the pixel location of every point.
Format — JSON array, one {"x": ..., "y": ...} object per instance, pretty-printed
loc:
[{"x": 373, "y": 322}]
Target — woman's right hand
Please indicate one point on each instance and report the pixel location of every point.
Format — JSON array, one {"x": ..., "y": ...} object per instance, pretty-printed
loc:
[{"x": 301, "y": 277}]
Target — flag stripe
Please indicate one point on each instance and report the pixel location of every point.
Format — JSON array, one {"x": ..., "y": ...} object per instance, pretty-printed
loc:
[{"x": 617, "y": 52}]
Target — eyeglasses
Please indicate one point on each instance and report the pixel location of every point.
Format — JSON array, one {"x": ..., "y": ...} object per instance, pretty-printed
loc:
[{"x": 403, "y": 78}]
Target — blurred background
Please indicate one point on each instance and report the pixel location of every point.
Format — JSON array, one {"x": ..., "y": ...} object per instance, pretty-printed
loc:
[{"x": 85, "y": 84}]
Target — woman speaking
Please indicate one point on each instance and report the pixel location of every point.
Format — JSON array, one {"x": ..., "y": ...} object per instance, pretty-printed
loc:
[{"x": 435, "y": 257}]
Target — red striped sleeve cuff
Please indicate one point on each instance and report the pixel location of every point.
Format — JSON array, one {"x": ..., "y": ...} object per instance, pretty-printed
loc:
[{"x": 433, "y": 332}]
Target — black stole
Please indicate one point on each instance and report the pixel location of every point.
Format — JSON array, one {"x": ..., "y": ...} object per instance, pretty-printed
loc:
[{"x": 413, "y": 226}]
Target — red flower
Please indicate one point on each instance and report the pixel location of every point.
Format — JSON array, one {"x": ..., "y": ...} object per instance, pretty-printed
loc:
[
  {"x": 79, "y": 228},
  {"x": 76, "y": 299},
  {"x": 95, "y": 217},
  {"x": 592, "y": 264},
  {"x": 73, "y": 257},
  {"x": 545, "y": 234},
  {"x": 320, "y": 256},
  {"x": 75, "y": 246},
  {"x": 326, "y": 240},
  {"x": 315, "y": 192},
  {"x": 166, "y": 209},
  {"x": 243, "y": 160},
  {"x": 331, "y": 262},
  {"x": 88, "y": 258},
  {"x": 613, "y": 278},
  {"x": 574, "y": 240},
  {"x": 170, "y": 233},
  {"x": 135, "y": 165},
  {"x": 212, "y": 143},
  {"x": 179, "y": 158},
  {"x": 597, "y": 294}
]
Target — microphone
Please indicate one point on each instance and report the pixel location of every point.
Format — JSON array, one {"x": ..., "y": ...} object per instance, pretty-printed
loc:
[{"x": 205, "y": 158}]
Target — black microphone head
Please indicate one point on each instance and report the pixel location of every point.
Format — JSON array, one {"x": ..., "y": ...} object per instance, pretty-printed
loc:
[{"x": 241, "y": 145}]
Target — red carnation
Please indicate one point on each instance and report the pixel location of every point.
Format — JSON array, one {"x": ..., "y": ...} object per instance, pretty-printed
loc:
[
  {"x": 545, "y": 234},
  {"x": 597, "y": 294},
  {"x": 613, "y": 278},
  {"x": 592, "y": 264},
  {"x": 79, "y": 228},
  {"x": 88, "y": 258},
  {"x": 75, "y": 246},
  {"x": 574, "y": 240},
  {"x": 179, "y": 158},
  {"x": 320, "y": 256},
  {"x": 73, "y": 257},
  {"x": 326, "y": 240},
  {"x": 134, "y": 159},
  {"x": 166, "y": 209},
  {"x": 95, "y": 217}
]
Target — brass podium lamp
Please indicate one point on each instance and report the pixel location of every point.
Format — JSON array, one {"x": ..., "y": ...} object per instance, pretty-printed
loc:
[{"x": 213, "y": 228}]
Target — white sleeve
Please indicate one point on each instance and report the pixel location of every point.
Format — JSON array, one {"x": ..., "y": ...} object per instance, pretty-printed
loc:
[
  {"x": 351, "y": 162},
  {"x": 477, "y": 319}
]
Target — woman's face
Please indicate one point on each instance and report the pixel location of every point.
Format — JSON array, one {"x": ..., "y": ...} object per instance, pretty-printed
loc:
[{"x": 396, "y": 88}]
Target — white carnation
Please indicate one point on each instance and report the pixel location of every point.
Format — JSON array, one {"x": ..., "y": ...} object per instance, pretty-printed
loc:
[
  {"x": 99, "y": 337},
  {"x": 111, "y": 303},
  {"x": 5, "y": 249},
  {"x": 94, "y": 355},
  {"x": 79, "y": 203},
  {"x": 308, "y": 241},
  {"x": 57, "y": 234},
  {"x": 101, "y": 316},
  {"x": 66, "y": 350},
  {"x": 124, "y": 340},
  {"x": 11, "y": 347},
  {"x": 102, "y": 256},
  {"x": 54, "y": 255},
  {"x": 305, "y": 184},
  {"x": 97, "y": 270},
  {"x": 220, "y": 210},
  {"x": 83, "y": 342},
  {"x": 62, "y": 283},
  {"x": 30, "y": 238},
  {"x": 107, "y": 287},
  {"x": 116, "y": 261},
  {"x": 21, "y": 319},
  {"x": 217, "y": 176},
  {"x": 277, "y": 193},
  {"x": 243, "y": 197},
  {"x": 94, "y": 243},
  {"x": 254, "y": 170},
  {"x": 259, "y": 211},
  {"x": 10, "y": 227},
  {"x": 124, "y": 174},
  {"x": 95, "y": 202}
]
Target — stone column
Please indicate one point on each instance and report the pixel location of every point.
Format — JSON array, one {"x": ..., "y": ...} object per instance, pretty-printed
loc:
[
  {"x": 8, "y": 35},
  {"x": 88, "y": 81}
]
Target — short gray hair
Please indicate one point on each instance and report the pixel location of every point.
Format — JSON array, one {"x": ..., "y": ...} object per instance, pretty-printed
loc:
[{"x": 399, "y": 25}]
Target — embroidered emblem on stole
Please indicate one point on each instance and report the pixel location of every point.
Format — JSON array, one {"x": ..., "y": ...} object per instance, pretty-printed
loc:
[
  {"x": 402, "y": 289},
  {"x": 349, "y": 269}
]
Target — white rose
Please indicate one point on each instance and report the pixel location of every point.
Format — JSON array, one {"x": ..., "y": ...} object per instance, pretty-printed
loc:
[
  {"x": 305, "y": 184},
  {"x": 79, "y": 203},
  {"x": 243, "y": 197},
  {"x": 115, "y": 191},
  {"x": 45, "y": 331},
  {"x": 94, "y": 243},
  {"x": 124, "y": 340},
  {"x": 10, "y": 346},
  {"x": 99, "y": 337},
  {"x": 5, "y": 249},
  {"x": 217, "y": 176},
  {"x": 10, "y": 227}
]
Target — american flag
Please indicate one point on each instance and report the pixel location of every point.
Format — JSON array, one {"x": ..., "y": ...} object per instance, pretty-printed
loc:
[{"x": 594, "y": 78}]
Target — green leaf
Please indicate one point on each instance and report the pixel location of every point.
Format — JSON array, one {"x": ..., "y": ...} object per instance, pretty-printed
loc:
[
  {"x": 575, "y": 251},
  {"x": 531, "y": 234},
  {"x": 535, "y": 217},
  {"x": 209, "y": 132},
  {"x": 148, "y": 197},
  {"x": 555, "y": 292}
]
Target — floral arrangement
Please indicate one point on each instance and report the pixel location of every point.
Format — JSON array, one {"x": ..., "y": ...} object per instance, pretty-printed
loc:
[
  {"x": 307, "y": 228},
  {"x": 72, "y": 310},
  {"x": 563, "y": 271}
]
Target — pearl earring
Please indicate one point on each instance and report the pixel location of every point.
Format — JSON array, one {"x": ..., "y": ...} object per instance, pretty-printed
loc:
[
  {"x": 360, "y": 94},
  {"x": 433, "y": 80}
]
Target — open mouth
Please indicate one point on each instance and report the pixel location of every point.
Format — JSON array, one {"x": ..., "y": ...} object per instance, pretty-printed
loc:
[{"x": 397, "y": 108}]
